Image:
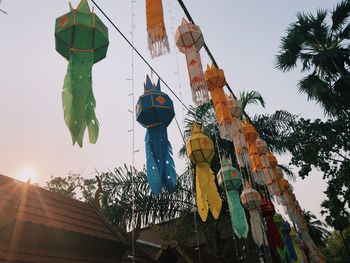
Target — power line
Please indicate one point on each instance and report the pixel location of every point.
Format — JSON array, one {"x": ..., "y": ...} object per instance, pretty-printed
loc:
[{"x": 139, "y": 54}]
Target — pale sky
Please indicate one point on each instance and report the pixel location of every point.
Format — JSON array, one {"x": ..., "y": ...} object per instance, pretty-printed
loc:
[{"x": 243, "y": 36}]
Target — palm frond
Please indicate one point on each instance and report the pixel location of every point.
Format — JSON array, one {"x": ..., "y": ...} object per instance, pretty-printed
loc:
[
  {"x": 287, "y": 171},
  {"x": 251, "y": 97},
  {"x": 274, "y": 128},
  {"x": 117, "y": 202},
  {"x": 340, "y": 15}
]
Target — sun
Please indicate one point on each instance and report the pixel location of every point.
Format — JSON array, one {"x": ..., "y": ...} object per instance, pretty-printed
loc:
[{"x": 26, "y": 173}]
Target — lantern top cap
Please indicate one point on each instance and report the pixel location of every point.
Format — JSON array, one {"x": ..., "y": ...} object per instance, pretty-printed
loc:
[
  {"x": 196, "y": 128},
  {"x": 149, "y": 86},
  {"x": 184, "y": 21},
  {"x": 83, "y": 6},
  {"x": 211, "y": 67},
  {"x": 226, "y": 159}
]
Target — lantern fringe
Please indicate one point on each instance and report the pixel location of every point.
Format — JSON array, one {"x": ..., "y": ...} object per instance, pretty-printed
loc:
[
  {"x": 200, "y": 93},
  {"x": 226, "y": 131},
  {"x": 158, "y": 43},
  {"x": 258, "y": 233}
]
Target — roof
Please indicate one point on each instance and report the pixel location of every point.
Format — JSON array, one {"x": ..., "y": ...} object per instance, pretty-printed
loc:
[
  {"x": 40, "y": 206},
  {"x": 39, "y": 226}
]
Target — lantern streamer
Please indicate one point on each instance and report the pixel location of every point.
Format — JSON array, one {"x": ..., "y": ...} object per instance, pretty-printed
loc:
[
  {"x": 158, "y": 43},
  {"x": 82, "y": 38},
  {"x": 286, "y": 229},
  {"x": 160, "y": 164},
  {"x": 155, "y": 111}
]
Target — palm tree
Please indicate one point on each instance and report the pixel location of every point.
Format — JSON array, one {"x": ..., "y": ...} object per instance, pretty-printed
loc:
[
  {"x": 322, "y": 51},
  {"x": 116, "y": 199},
  {"x": 317, "y": 230}
]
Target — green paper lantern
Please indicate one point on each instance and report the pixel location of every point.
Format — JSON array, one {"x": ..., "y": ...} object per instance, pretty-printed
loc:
[{"x": 82, "y": 38}]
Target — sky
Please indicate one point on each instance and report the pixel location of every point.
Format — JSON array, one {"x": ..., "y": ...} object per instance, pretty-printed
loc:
[{"x": 244, "y": 37}]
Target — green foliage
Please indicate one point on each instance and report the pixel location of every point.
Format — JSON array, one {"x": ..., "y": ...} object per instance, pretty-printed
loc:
[
  {"x": 325, "y": 145},
  {"x": 335, "y": 251},
  {"x": 322, "y": 51},
  {"x": 316, "y": 228},
  {"x": 116, "y": 200},
  {"x": 73, "y": 186}
]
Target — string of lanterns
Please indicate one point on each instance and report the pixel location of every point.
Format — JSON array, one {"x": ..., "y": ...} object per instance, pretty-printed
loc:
[{"x": 82, "y": 38}]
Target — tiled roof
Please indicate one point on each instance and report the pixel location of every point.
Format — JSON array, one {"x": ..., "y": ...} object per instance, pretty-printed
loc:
[{"x": 39, "y": 206}]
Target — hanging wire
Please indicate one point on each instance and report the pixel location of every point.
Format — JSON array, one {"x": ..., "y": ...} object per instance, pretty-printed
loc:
[
  {"x": 133, "y": 173},
  {"x": 4, "y": 12},
  {"x": 139, "y": 54},
  {"x": 177, "y": 72},
  {"x": 219, "y": 153}
]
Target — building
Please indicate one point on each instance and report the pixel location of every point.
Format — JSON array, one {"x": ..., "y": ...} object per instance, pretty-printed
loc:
[{"x": 40, "y": 226}]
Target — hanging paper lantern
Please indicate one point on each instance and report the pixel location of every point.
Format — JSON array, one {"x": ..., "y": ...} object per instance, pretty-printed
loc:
[
  {"x": 157, "y": 38},
  {"x": 239, "y": 141},
  {"x": 235, "y": 107},
  {"x": 273, "y": 237},
  {"x": 274, "y": 187},
  {"x": 82, "y": 38},
  {"x": 267, "y": 172},
  {"x": 189, "y": 40},
  {"x": 256, "y": 166},
  {"x": 230, "y": 179},
  {"x": 286, "y": 229},
  {"x": 155, "y": 111},
  {"x": 251, "y": 200},
  {"x": 200, "y": 150},
  {"x": 215, "y": 79}
]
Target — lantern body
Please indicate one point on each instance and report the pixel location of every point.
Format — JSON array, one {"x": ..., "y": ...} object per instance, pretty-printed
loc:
[
  {"x": 215, "y": 78},
  {"x": 272, "y": 159},
  {"x": 199, "y": 147},
  {"x": 251, "y": 199},
  {"x": 235, "y": 107},
  {"x": 267, "y": 208},
  {"x": 154, "y": 107},
  {"x": 249, "y": 132},
  {"x": 229, "y": 177},
  {"x": 261, "y": 145},
  {"x": 187, "y": 35},
  {"x": 81, "y": 29}
]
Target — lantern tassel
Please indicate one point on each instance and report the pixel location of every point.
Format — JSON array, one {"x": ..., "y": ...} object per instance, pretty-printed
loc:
[
  {"x": 158, "y": 43},
  {"x": 78, "y": 98},
  {"x": 160, "y": 164},
  {"x": 207, "y": 193},
  {"x": 238, "y": 218},
  {"x": 257, "y": 227}
]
